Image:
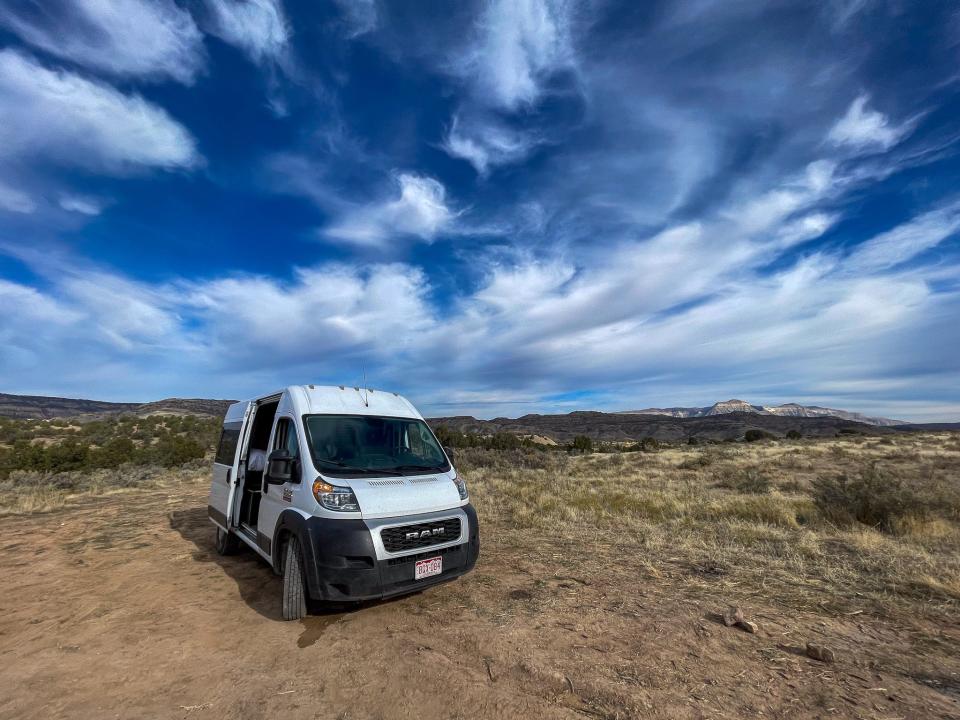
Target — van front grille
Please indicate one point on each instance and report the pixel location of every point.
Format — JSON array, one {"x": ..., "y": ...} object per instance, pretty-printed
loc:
[{"x": 411, "y": 537}]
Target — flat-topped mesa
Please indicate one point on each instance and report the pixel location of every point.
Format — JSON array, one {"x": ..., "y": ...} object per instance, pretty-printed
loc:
[
  {"x": 785, "y": 410},
  {"x": 730, "y": 406}
]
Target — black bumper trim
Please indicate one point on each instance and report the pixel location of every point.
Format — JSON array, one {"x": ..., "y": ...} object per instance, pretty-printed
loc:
[{"x": 341, "y": 564}]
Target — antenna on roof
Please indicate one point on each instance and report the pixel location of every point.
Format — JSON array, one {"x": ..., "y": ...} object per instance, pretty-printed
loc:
[{"x": 366, "y": 392}]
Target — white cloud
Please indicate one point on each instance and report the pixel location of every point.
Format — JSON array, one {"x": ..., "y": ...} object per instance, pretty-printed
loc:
[
  {"x": 841, "y": 12},
  {"x": 81, "y": 204},
  {"x": 151, "y": 39},
  {"x": 521, "y": 286},
  {"x": 14, "y": 200},
  {"x": 865, "y": 128},
  {"x": 78, "y": 121},
  {"x": 322, "y": 319},
  {"x": 906, "y": 241},
  {"x": 258, "y": 27},
  {"x": 421, "y": 211},
  {"x": 328, "y": 309},
  {"x": 84, "y": 320},
  {"x": 124, "y": 313},
  {"x": 805, "y": 228},
  {"x": 770, "y": 209},
  {"x": 28, "y": 305},
  {"x": 676, "y": 307},
  {"x": 360, "y": 16},
  {"x": 486, "y": 143},
  {"x": 520, "y": 44}
]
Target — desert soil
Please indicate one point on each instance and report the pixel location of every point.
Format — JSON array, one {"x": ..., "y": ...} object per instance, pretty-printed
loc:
[{"x": 119, "y": 607}]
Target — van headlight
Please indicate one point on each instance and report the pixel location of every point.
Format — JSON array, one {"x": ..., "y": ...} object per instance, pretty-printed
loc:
[
  {"x": 461, "y": 486},
  {"x": 335, "y": 497}
]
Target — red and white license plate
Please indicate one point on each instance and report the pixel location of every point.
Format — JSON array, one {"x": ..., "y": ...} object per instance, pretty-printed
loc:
[{"x": 428, "y": 567}]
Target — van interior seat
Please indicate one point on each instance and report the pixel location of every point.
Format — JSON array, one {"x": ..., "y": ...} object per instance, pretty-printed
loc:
[
  {"x": 253, "y": 486},
  {"x": 256, "y": 460}
]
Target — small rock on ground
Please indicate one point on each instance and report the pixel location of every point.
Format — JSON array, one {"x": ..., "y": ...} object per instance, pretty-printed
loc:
[
  {"x": 732, "y": 616},
  {"x": 821, "y": 653}
]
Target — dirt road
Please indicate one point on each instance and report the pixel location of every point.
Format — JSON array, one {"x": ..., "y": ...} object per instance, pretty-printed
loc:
[{"x": 119, "y": 607}]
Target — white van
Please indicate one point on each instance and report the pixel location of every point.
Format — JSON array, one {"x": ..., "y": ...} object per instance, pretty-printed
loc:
[{"x": 344, "y": 491}]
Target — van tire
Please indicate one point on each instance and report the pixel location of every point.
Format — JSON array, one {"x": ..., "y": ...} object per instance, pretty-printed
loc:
[
  {"x": 294, "y": 591},
  {"x": 226, "y": 542}
]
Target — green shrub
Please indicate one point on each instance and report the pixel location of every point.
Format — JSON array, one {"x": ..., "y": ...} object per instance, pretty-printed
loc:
[
  {"x": 497, "y": 441},
  {"x": 749, "y": 480},
  {"x": 48, "y": 448},
  {"x": 754, "y": 435},
  {"x": 794, "y": 435},
  {"x": 696, "y": 462},
  {"x": 873, "y": 497},
  {"x": 648, "y": 445},
  {"x": 581, "y": 443}
]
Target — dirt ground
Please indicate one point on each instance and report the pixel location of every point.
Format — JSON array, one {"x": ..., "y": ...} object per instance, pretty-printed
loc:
[{"x": 119, "y": 607}]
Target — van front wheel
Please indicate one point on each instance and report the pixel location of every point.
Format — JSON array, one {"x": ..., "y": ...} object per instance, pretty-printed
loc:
[{"x": 294, "y": 592}]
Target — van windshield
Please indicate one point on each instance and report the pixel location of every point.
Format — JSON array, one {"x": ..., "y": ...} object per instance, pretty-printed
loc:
[{"x": 352, "y": 445}]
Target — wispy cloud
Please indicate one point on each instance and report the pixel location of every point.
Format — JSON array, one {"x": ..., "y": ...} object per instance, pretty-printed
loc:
[
  {"x": 81, "y": 204},
  {"x": 88, "y": 318},
  {"x": 16, "y": 201},
  {"x": 865, "y": 128},
  {"x": 70, "y": 119},
  {"x": 149, "y": 39},
  {"x": 360, "y": 16},
  {"x": 258, "y": 27},
  {"x": 772, "y": 208},
  {"x": 519, "y": 45},
  {"x": 906, "y": 241},
  {"x": 343, "y": 308},
  {"x": 668, "y": 206},
  {"x": 518, "y": 49},
  {"x": 485, "y": 142},
  {"x": 673, "y": 306},
  {"x": 420, "y": 210}
]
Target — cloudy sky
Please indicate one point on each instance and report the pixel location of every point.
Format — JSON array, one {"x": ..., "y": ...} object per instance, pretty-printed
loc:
[{"x": 494, "y": 207}]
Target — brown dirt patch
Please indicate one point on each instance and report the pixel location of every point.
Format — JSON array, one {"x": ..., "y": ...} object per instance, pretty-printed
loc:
[{"x": 119, "y": 607}]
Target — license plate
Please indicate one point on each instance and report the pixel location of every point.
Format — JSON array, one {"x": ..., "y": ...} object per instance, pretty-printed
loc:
[{"x": 428, "y": 567}]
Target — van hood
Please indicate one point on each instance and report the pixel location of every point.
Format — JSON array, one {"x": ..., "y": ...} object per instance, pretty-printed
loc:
[{"x": 394, "y": 496}]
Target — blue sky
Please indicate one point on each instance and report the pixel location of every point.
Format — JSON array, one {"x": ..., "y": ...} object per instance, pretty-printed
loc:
[{"x": 494, "y": 207}]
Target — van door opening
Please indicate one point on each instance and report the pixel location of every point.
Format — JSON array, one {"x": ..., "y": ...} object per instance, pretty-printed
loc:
[{"x": 254, "y": 463}]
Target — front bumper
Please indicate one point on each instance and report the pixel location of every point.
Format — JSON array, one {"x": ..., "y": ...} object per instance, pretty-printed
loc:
[{"x": 342, "y": 565}]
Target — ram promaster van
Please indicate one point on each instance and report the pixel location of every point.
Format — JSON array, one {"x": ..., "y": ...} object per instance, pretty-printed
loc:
[{"x": 344, "y": 491}]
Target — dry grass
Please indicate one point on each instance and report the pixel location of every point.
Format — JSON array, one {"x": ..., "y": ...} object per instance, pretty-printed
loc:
[
  {"x": 31, "y": 492},
  {"x": 746, "y": 511},
  {"x": 750, "y": 512}
]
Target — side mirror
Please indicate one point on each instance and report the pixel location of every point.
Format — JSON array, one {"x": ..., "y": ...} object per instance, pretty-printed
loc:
[
  {"x": 450, "y": 454},
  {"x": 282, "y": 467}
]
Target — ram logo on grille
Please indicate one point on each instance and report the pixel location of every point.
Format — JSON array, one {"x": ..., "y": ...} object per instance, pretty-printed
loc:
[
  {"x": 402, "y": 538},
  {"x": 424, "y": 533}
]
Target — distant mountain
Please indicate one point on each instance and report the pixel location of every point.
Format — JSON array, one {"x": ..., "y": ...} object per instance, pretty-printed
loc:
[
  {"x": 787, "y": 410},
  {"x": 625, "y": 427},
  {"x": 33, "y": 406}
]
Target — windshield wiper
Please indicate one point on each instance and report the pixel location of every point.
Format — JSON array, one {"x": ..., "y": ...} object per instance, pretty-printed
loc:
[
  {"x": 426, "y": 468},
  {"x": 354, "y": 468}
]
